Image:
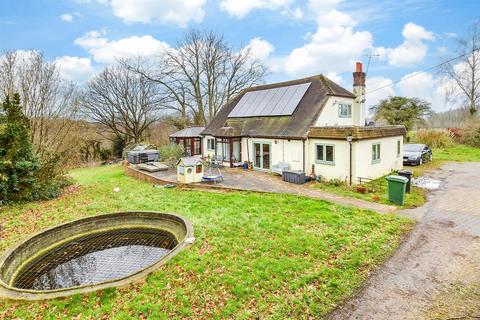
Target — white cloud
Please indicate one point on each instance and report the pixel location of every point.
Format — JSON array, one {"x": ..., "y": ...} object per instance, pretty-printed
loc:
[
  {"x": 335, "y": 77},
  {"x": 333, "y": 47},
  {"x": 240, "y": 8},
  {"x": 425, "y": 86},
  {"x": 74, "y": 68},
  {"x": 66, "y": 17},
  {"x": 421, "y": 85},
  {"x": 104, "y": 50},
  {"x": 297, "y": 13},
  {"x": 178, "y": 12},
  {"x": 373, "y": 84},
  {"x": 413, "y": 49},
  {"x": 260, "y": 49}
]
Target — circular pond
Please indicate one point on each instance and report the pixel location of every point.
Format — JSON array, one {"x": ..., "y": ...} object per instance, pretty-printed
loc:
[{"x": 91, "y": 254}]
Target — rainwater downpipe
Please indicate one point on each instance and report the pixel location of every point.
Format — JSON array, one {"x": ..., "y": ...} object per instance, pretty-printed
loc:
[
  {"x": 350, "y": 140},
  {"x": 248, "y": 152},
  {"x": 303, "y": 140}
]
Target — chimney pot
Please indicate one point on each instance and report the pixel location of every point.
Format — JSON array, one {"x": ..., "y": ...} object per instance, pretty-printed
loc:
[{"x": 359, "y": 67}]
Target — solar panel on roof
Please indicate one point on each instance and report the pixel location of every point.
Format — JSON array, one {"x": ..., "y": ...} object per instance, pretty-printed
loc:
[{"x": 270, "y": 102}]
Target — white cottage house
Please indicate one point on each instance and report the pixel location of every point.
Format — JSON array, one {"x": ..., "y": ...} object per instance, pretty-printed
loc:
[{"x": 308, "y": 124}]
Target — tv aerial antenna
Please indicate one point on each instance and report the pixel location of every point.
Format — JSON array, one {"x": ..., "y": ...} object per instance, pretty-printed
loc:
[{"x": 370, "y": 56}]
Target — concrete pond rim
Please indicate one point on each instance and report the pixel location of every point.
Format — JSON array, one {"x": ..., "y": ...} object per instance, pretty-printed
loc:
[{"x": 37, "y": 245}]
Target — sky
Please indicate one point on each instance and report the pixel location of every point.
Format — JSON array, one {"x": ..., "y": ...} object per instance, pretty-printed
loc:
[{"x": 293, "y": 38}]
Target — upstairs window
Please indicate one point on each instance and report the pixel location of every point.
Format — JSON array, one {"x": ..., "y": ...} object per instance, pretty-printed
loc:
[
  {"x": 325, "y": 153},
  {"x": 376, "y": 153},
  {"x": 211, "y": 144},
  {"x": 344, "y": 110}
]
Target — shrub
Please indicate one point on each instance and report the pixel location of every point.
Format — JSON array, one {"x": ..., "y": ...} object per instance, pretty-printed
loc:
[
  {"x": 170, "y": 153},
  {"x": 435, "y": 138},
  {"x": 23, "y": 175},
  {"x": 471, "y": 134},
  {"x": 336, "y": 182}
]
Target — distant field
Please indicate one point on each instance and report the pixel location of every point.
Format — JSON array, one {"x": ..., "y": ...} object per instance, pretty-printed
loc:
[{"x": 256, "y": 255}]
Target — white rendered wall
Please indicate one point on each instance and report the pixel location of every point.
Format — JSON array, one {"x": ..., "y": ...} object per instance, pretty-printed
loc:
[
  {"x": 205, "y": 151},
  {"x": 389, "y": 160},
  {"x": 339, "y": 169},
  {"x": 329, "y": 115},
  {"x": 282, "y": 150}
]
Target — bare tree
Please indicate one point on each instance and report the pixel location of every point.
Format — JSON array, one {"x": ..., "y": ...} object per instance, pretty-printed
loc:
[
  {"x": 202, "y": 73},
  {"x": 48, "y": 100},
  {"x": 125, "y": 102},
  {"x": 465, "y": 71}
]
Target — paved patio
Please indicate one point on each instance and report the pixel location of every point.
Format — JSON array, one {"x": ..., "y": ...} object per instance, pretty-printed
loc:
[{"x": 247, "y": 180}]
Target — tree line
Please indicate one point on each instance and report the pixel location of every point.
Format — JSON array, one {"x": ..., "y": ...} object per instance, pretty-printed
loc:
[{"x": 185, "y": 84}]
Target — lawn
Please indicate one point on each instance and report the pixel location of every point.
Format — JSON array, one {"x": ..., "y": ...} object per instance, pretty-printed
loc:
[
  {"x": 459, "y": 153},
  {"x": 256, "y": 255},
  {"x": 414, "y": 199}
]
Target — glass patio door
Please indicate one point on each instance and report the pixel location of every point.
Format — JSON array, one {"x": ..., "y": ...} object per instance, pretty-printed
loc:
[{"x": 262, "y": 155}]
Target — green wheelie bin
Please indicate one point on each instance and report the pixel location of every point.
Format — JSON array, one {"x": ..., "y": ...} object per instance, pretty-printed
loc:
[{"x": 396, "y": 189}]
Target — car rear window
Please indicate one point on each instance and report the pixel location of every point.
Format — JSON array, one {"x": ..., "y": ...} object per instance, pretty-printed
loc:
[{"x": 413, "y": 147}]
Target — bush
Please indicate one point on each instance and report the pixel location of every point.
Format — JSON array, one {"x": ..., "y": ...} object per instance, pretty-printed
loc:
[
  {"x": 435, "y": 138},
  {"x": 471, "y": 134},
  {"x": 170, "y": 153},
  {"x": 336, "y": 182},
  {"x": 23, "y": 175}
]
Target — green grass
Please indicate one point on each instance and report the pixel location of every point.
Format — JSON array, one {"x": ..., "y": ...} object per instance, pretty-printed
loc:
[
  {"x": 456, "y": 153},
  {"x": 256, "y": 255},
  {"x": 460, "y": 153},
  {"x": 377, "y": 187}
]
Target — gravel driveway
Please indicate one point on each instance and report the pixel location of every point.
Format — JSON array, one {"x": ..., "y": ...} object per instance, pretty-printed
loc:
[{"x": 443, "y": 249}]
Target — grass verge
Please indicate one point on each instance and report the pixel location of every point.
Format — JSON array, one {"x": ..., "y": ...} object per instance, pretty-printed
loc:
[
  {"x": 378, "y": 192},
  {"x": 256, "y": 255}
]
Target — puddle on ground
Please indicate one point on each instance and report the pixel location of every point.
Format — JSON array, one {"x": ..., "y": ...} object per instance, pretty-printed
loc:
[
  {"x": 96, "y": 258},
  {"x": 426, "y": 183}
]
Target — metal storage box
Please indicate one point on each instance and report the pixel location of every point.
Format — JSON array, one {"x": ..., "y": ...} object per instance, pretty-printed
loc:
[
  {"x": 294, "y": 176},
  {"x": 136, "y": 157}
]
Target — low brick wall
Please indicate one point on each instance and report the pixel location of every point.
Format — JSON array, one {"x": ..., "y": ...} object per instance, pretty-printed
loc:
[
  {"x": 145, "y": 176},
  {"x": 148, "y": 177}
]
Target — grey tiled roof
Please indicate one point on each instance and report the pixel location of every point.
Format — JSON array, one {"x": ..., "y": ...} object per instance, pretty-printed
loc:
[
  {"x": 292, "y": 126},
  {"x": 188, "y": 132}
]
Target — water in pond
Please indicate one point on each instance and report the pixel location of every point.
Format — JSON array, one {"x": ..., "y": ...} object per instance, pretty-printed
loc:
[{"x": 96, "y": 258}]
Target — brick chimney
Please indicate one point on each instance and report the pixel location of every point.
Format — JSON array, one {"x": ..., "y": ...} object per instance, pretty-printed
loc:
[{"x": 359, "y": 78}]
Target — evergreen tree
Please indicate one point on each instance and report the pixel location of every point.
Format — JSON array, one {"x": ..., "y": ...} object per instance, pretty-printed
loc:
[
  {"x": 18, "y": 163},
  {"x": 402, "y": 110}
]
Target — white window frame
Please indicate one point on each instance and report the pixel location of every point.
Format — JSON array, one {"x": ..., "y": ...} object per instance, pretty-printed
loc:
[
  {"x": 324, "y": 147},
  {"x": 376, "y": 152},
  {"x": 348, "y": 109},
  {"x": 209, "y": 147}
]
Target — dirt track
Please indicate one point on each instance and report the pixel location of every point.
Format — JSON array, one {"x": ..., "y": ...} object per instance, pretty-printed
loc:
[{"x": 443, "y": 249}]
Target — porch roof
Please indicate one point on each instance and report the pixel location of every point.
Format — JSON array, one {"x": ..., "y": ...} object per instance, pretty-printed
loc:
[{"x": 190, "y": 132}]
